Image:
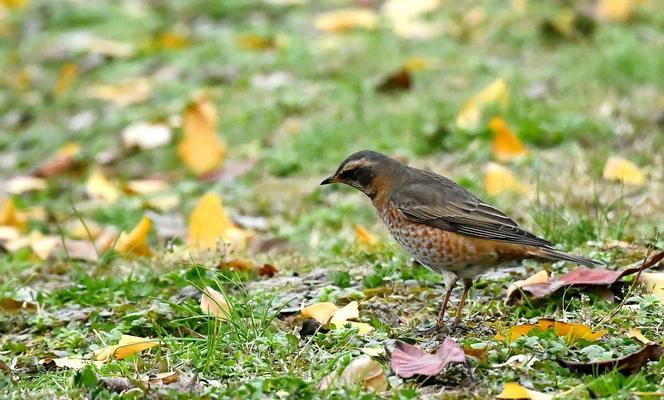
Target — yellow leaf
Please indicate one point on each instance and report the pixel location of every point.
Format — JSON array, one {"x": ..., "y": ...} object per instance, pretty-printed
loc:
[
  {"x": 498, "y": 179},
  {"x": 346, "y": 19},
  {"x": 349, "y": 311},
  {"x": 127, "y": 346},
  {"x": 321, "y": 312},
  {"x": 146, "y": 186},
  {"x": 654, "y": 282},
  {"x": 539, "y": 277},
  {"x": 83, "y": 229},
  {"x": 622, "y": 170},
  {"x": 506, "y": 145},
  {"x": 256, "y": 42},
  {"x": 99, "y": 187},
  {"x": 362, "y": 328},
  {"x": 123, "y": 94},
  {"x": 513, "y": 390},
  {"x": 408, "y": 9},
  {"x": 69, "y": 363},
  {"x": 208, "y": 223},
  {"x": 570, "y": 331},
  {"x": 172, "y": 41},
  {"x": 10, "y": 216},
  {"x": 471, "y": 113},
  {"x": 363, "y": 236},
  {"x": 136, "y": 241},
  {"x": 213, "y": 302},
  {"x": 615, "y": 10},
  {"x": 24, "y": 184},
  {"x": 376, "y": 351},
  {"x": 14, "y": 3},
  {"x": 145, "y": 136},
  {"x": 635, "y": 333},
  {"x": 201, "y": 149},
  {"x": 68, "y": 74}
]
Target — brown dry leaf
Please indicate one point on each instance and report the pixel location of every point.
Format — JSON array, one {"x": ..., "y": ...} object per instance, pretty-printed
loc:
[
  {"x": 99, "y": 187},
  {"x": 201, "y": 149},
  {"x": 513, "y": 390},
  {"x": 346, "y": 19},
  {"x": 68, "y": 74},
  {"x": 621, "y": 170},
  {"x": 321, "y": 312},
  {"x": 540, "y": 277},
  {"x": 506, "y": 145},
  {"x": 362, "y": 370},
  {"x": 146, "y": 135},
  {"x": 69, "y": 363},
  {"x": 63, "y": 160},
  {"x": 208, "y": 223},
  {"x": 363, "y": 236},
  {"x": 267, "y": 270},
  {"x": 214, "y": 303},
  {"x": 396, "y": 81},
  {"x": 569, "y": 330},
  {"x": 498, "y": 179},
  {"x": 24, "y": 184},
  {"x": 471, "y": 113},
  {"x": 136, "y": 241},
  {"x": 163, "y": 378},
  {"x": 124, "y": 93},
  {"x": 11, "y": 217},
  {"x": 9, "y": 305},
  {"x": 127, "y": 346},
  {"x": 615, "y": 10},
  {"x": 654, "y": 282}
]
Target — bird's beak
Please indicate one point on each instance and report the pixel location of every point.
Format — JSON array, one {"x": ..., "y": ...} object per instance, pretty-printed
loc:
[{"x": 328, "y": 180}]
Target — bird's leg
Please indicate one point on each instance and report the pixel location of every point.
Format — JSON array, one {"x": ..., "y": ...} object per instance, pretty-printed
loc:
[
  {"x": 441, "y": 314},
  {"x": 467, "y": 283}
]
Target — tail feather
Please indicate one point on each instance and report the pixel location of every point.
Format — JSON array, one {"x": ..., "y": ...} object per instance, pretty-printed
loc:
[{"x": 553, "y": 254}]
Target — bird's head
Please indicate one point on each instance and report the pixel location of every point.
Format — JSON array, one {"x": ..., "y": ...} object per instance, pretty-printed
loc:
[{"x": 366, "y": 171}]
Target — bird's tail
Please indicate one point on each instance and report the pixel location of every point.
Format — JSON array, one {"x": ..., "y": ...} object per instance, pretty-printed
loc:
[{"x": 553, "y": 254}]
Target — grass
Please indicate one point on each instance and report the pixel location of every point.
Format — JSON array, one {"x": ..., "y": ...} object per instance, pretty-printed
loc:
[{"x": 299, "y": 109}]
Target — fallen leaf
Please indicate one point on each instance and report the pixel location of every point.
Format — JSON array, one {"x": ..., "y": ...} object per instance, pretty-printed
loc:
[
  {"x": 82, "y": 229},
  {"x": 540, "y": 277},
  {"x": 68, "y": 74},
  {"x": 257, "y": 42},
  {"x": 170, "y": 40},
  {"x": 163, "y": 378},
  {"x": 363, "y": 236},
  {"x": 136, "y": 241},
  {"x": 146, "y": 135},
  {"x": 69, "y": 363},
  {"x": 405, "y": 17},
  {"x": 498, "y": 179},
  {"x": 81, "y": 250},
  {"x": 63, "y": 160},
  {"x": 15, "y": 4},
  {"x": 214, "y": 303},
  {"x": 572, "y": 332},
  {"x": 635, "y": 333},
  {"x": 208, "y": 223},
  {"x": 654, "y": 282},
  {"x": 327, "y": 312},
  {"x": 321, "y": 312},
  {"x": 349, "y": 311},
  {"x": 361, "y": 371},
  {"x": 518, "y": 361},
  {"x": 615, "y": 10},
  {"x": 267, "y": 270},
  {"x": 396, "y": 81},
  {"x": 127, "y": 346},
  {"x": 11, "y": 217},
  {"x": 621, "y": 170},
  {"x": 373, "y": 351},
  {"x": 506, "y": 145},
  {"x": 124, "y": 93},
  {"x": 98, "y": 186},
  {"x": 145, "y": 186},
  {"x": 630, "y": 364},
  {"x": 471, "y": 113},
  {"x": 201, "y": 149},
  {"x": 408, "y": 360},
  {"x": 513, "y": 390},
  {"x": 24, "y": 184},
  {"x": 346, "y": 19},
  {"x": 9, "y": 305}
]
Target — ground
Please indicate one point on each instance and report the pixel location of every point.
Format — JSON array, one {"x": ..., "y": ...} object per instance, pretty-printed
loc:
[{"x": 294, "y": 100}]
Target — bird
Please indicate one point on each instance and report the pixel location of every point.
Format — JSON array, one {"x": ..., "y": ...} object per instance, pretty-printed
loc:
[{"x": 441, "y": 224}]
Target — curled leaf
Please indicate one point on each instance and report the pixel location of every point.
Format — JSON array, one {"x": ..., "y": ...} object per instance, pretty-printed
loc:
[
  {"x": 361, "y": 371},
  {"x": 136, "y": 241},
  {"x": 215, "y": 303},
  {"x": 408, "y": 360},
  {"x": 321, "y": 312},
  {"x": 540, "y": 277},
  {"x": 127, "y": 346}
]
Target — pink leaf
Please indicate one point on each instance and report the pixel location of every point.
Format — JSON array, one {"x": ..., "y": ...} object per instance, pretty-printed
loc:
[{"x": 408, "y": 360}]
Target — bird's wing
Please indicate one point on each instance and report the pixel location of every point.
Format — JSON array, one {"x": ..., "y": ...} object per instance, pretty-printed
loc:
[{"x": 434, "y": 200}]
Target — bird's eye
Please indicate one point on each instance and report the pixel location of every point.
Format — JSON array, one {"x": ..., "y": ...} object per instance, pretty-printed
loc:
[{"x": 348, "y": 175}]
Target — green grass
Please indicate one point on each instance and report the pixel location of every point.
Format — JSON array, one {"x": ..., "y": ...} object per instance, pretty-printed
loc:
[{"x": 599, "y": 94}]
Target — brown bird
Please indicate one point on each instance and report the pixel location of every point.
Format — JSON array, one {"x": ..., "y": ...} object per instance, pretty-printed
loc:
[{"x": 441, "y": 224}]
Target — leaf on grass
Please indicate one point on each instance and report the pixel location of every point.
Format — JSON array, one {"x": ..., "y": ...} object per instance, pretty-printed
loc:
[
  {"x": 215, "y": 303},
  {"x": 41, "y": 245},
  {"x": 136, "y": 241},
  {"x": 127, "y": 346},
  {"x": 622, "y": 170},
  {"x": 373, "y": 351},
  {"x": 69, "y": 363},
  {"x": 346, "y": 19},
  {"x": 506, "y": 145},
  {"x": 9, "y": 305},
  {"x": 68, "y": 74},
  {"x": 615, "y": 10},
  {"x": 571, "y": 331},
  {"x": 201, "y": 149},
  {"x": 11, "y": 217},
  {"x": 63, "y": 160},
  {"x": 321, "y": 312},
  {"x": 636, "y": 334},
  {"x": 540, "y": 277},
  {"x": 405, "y": 16},
  {"x": 630, "y": 364},
  {"x": 408, "y": 360},
  {"x": 122, "y": 94},
  {"x": 513, "y": 390},
  {"x": 498, "y": 179},
  {"x": 363, "y": 236},
  {"x": 583, "y": 277},
  {"x": 471, "y": 113},
  {"x": 164, "y": 378},
  {"x": 654, "y": 282},
  {"x": 327, "y": 312},
  {"x": 208, "y": 223},
  {"x": 257, "y": 42},
  {"x": 24, "y": 184},
  {"x": 361, "y": 371},
  {"x": 396, "y": 81},
  {"x": 145, "y": 186},
  {"x": 100, "y": 187},
  {"x": 146, "y": 135}
]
